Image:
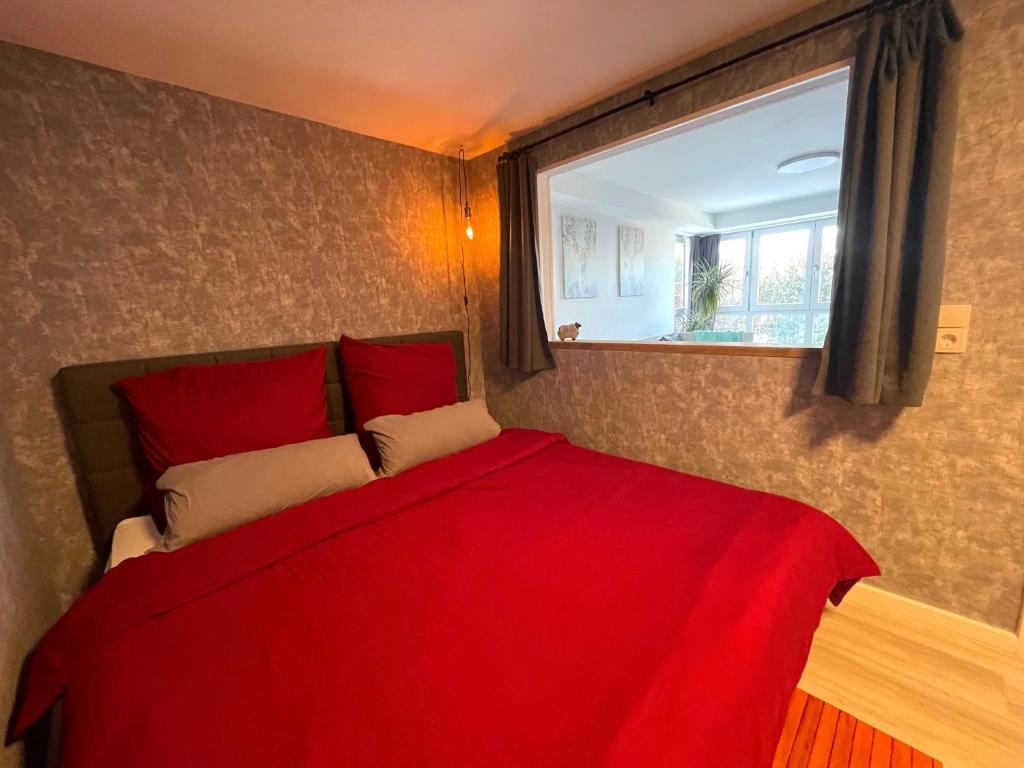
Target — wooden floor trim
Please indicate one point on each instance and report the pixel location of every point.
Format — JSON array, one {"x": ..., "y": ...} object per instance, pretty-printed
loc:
[{"x": 865, "y": 598}]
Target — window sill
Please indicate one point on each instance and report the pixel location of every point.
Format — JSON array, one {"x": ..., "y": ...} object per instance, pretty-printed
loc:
[{"x": 729, "y": 349}]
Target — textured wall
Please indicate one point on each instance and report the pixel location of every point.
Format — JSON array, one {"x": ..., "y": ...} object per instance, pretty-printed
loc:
[
  {"x": 28, "y": 602},
  {"x": 140, "y": 219},
  {"x": 936, "y": 492}
]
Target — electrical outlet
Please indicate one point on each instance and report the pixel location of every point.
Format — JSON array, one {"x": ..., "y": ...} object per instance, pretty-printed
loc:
[
  {"x": 950, "y": 340},
  {"x": 954, "y": 322}
]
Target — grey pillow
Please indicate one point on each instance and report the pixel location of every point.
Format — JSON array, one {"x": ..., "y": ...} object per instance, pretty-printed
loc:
[
  {"x": 405, "y": 441},
  {"x": 205, "y": 498}
]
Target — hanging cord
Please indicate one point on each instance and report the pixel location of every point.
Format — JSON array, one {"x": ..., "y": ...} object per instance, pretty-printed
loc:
[
  {"x": 469, "y": 323},
  {"x": 463, "y": 181},
  {"x": 463, "y": 191},
  {"x": 465, "y": 287}
]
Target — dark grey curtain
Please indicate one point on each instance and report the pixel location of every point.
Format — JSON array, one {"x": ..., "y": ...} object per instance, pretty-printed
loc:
[
  {"x": 524, "y": 340},
  {"x": 897, "y": 164},
  {"x": 704, "y": 248}
]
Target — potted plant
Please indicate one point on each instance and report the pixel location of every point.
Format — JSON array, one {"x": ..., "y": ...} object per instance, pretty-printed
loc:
[{"x": 710, "y": 283}]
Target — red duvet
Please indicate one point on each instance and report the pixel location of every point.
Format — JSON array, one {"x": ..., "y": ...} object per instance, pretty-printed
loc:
[{"x": 522, "y": 603}]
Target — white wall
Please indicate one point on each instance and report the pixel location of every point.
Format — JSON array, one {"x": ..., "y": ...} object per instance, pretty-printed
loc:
[
  {"x": 778, "y": 212},
  {"x": 608, "y": 315},
  {"x": 579, "y": 186}
]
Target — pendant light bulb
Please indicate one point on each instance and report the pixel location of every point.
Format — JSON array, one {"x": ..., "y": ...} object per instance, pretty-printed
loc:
[{"x": 464, "y": 194}]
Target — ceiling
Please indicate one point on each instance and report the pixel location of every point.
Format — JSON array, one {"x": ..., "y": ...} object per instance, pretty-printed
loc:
[
  {"x": 432, "y": 74},
  {"x": 728, "y": 161}
]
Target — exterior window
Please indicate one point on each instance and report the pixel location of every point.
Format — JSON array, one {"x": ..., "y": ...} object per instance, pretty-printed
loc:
[
  {"x": 681, "y": 290},
  {"x": 782, "y": 282},
  {"x": 819, "y": 327},
  {"x": 780, "y": 327},
  {"x": 827, "y": 261},
  {"x": 782, "y": 266},
  {"x": 730, "y": 322},
  {"x": 732, "y": 252}
]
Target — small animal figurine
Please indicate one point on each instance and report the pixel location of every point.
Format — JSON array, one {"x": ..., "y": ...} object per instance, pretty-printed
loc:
[{"x": 569, "y": 332}]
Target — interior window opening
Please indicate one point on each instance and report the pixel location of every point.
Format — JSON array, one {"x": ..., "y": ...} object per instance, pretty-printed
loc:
[{"x": 722, "y": 229}]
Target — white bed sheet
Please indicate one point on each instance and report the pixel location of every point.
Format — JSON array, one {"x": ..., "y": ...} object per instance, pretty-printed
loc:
[{"x": 133, "y": 537}]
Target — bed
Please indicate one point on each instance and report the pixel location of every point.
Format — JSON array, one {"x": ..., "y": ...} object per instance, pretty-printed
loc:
[{"x": 522, "y": 602}]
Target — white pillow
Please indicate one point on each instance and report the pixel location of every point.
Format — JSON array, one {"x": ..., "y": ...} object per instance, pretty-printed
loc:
[
  {"x": 205, "y": 498},
  {"x": 405, "y": 441}
]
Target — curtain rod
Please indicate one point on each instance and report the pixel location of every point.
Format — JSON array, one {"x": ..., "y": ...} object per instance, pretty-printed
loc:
[{"x": 649, "y": 96}]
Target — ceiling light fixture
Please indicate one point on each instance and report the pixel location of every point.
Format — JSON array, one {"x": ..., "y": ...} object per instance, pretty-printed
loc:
[{"x": 807, "y": 163}]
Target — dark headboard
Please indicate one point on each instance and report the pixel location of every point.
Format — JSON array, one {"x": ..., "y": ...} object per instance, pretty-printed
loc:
[{"x": 108, "y": 458}]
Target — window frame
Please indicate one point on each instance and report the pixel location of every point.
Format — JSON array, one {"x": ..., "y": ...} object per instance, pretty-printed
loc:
[
  {"x": 682, "y": 242},
  {"x": 819, "y": 237},
  {"x": 748, "y": 307},
  {"x": 757, "y": 235},
  {"x": 745, "y": 279},
  {"x": 546, "y": 256}
]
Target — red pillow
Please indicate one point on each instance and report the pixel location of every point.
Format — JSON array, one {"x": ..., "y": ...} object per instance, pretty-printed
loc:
[
  {"x": 384, "y": 379},
  {"x": 199, "y": 412}
]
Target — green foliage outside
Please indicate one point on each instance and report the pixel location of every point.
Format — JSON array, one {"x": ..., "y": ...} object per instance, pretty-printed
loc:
[{"x": 782, "y": 283}]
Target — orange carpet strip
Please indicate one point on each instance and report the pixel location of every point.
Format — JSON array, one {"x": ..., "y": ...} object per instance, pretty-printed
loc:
[{"x": 817, "y": 735}]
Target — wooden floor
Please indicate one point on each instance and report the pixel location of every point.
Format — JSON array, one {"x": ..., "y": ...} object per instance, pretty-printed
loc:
[
  {"x": 817, "y": 735},
  {"x": 952, "y": 688}
]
